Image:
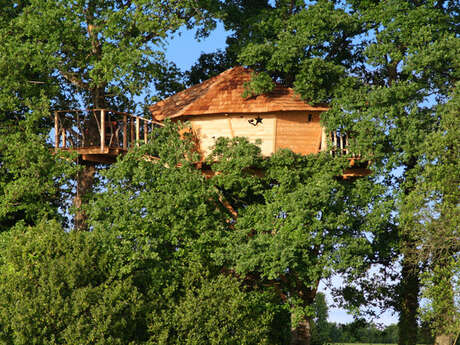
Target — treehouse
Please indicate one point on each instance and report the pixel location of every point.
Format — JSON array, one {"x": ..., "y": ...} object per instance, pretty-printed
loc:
[
  {"x": 280, "y": 119},
  {"x": 99, "y": 135}
]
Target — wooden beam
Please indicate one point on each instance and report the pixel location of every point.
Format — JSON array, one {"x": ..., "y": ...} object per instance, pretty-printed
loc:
[
  {"x": 125, "y": 131},
  {"x": 230, "y": 126},
  {"x": 97, "y": 158},
  {"x": 102, "y": 130},
  {"x": 56, "y": 129},
  {"x": 137, "y": 131},
  {"x": 64, "y": 139},
  {"x": 131, "y": 131},
  {"x": 145, "y": 132},
  {"x": 356, "y": 172},
  {"x": 323, "y": 139}
]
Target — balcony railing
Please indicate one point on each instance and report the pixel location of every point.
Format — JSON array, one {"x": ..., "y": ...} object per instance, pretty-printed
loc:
[
  {"x": 100, "y": 128},
  {"x": 339, "y": 142}
]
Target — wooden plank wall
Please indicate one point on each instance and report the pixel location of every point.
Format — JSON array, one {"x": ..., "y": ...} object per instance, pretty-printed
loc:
[
  {"x": 291, "y": 130},
  {"x": 210, "y": 127},
  {"x": 295, "y": 132}
]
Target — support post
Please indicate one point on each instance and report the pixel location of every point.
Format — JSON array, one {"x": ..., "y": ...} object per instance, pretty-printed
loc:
[
  {"x": 102, "y": 130},
  {"x": 56, "y": 130},
  {"x": 64, "y": 139},
  {"x": 323, "y": 139},
  {"x": 137, "y": 130},
  {"x": 345, "y": 145},
  {"x": 125, "y": 131},
  {"x": 332, "y": 143},
  {"x": 131, "y": 119},
  {"x": 145, "y": 132}
]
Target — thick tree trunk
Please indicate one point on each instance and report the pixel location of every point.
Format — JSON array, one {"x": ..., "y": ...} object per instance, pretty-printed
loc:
[
  {"x": 408, "y": 308},
  {"x": 301, "y": 334},
  {"x": 410, "y": 272},
  {"x": 85, "y": 180},
  {"x": 98, "y": 94}
]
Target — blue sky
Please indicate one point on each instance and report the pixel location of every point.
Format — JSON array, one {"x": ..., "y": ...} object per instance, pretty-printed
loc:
[{"x": 185, "y": 50}]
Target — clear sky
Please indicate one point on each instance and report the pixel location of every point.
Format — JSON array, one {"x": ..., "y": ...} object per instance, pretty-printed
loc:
[{"x": 185, "y": 50}]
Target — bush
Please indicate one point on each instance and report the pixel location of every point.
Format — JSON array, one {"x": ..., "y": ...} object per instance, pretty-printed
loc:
[
  {"x": 59, "y": 287},
  {"x": 219, "y": 312},
  {"x": 67, "y": 288}
]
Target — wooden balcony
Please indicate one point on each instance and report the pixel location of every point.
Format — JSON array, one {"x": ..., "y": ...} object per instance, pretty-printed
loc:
[
  {"x": 339, "y": 147},
  {"x": 99, "y": 135}
]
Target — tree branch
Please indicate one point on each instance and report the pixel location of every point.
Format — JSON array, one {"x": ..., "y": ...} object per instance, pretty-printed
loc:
[{"x": 72, "y": 78}]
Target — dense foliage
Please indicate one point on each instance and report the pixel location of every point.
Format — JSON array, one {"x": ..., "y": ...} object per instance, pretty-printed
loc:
[
  {"x": 389, "y": 71},
  {"x": 86, "y": 288},
  {"x": 172, "y": 257}
]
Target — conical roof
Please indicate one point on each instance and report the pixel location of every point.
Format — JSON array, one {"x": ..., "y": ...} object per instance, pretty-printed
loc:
[{"x": 222, "y": 94}]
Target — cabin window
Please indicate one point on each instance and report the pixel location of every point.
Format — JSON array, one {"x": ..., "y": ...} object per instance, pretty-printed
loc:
[{"x": 310, "y": 117}]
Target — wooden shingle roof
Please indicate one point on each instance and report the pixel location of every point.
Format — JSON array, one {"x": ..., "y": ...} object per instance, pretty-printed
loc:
[{"x": 222, "y": 94}]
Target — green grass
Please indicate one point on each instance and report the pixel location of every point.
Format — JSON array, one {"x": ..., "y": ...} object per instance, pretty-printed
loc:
[
  {"x": 358, "y": 344},
  {"x": 364, "y": 344}
]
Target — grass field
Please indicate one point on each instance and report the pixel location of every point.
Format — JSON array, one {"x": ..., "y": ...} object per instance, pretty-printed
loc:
[
  {"x": 360, "y": 344},
  {"x": 364, "y": 344}
]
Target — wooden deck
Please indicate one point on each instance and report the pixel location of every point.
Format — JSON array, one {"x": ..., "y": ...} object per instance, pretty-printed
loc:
[
  {"x": 358, "y": 168},
  {"x": 96, "y": 155},
  {"x": 99, "y": 135}
]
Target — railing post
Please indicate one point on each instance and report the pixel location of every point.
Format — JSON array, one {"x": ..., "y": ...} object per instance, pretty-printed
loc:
[
  {"x": 102, "y": 130},
  {"x": 323, "y": 139},
  {"x": 64, "y": 140},
  {"x": 145, "y": 132},
  {"x": 56, "y": 130},
  {"x": 125, "y": 131},
  {"x": 332, "y": 143},
  {"x": 131, "y": 137},
  {"x": 345, "y": 144},
  {"x": 137, "y": 130}
]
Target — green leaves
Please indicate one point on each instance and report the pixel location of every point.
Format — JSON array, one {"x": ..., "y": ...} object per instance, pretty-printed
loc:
[
  {"x": 99, "y": 52},
  {"x": 58, "y": 287},
  {"x": 317, "y": 80},
  {"x": 32, "y": 179}
]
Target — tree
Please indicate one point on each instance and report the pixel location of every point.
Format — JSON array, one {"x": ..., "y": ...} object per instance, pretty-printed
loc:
[
  {"x": 321, "y": 328},
  {"x": 437, "y": 223},
  {"x": 159, "y": 203},
  {"x": 94, "y": 54},
  {"x": 143, "y": 274},
  {"x": 32, "y": 180},
  {"x": 385, "y": 68},
  {"x": 392, "y": 110},
  {"x": 296, "y": 222}
]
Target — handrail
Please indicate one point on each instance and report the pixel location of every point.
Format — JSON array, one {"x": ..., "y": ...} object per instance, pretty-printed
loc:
[{"x": 104, "y": 128}]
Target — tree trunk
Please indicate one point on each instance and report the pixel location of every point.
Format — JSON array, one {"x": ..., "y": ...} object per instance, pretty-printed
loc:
[
  {"x": 301, "y": 334},
  {"x": 98, "y": 95},
  {"x": 409, "y": 287},
  {"x": 85, "y": 180},
  {"x": 408, "y": 307}
]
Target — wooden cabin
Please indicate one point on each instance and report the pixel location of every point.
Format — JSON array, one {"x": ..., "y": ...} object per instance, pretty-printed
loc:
[{"x": 280, "y": 119}]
